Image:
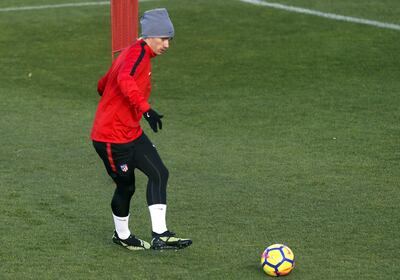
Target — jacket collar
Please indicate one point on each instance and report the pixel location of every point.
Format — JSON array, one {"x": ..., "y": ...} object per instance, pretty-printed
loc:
[{"x": 147, "y": 48}]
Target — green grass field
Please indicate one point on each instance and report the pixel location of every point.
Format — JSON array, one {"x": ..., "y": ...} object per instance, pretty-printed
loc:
[{"x": 279, "y": 128}]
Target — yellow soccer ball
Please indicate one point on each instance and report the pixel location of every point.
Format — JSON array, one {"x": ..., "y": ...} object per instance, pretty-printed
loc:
[{"x": 277, "y": 260}]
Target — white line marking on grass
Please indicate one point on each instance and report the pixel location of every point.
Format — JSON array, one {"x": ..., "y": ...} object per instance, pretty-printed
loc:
[
  {"x": 324, "y": 15},
  {"x": 53, "y": 6}
]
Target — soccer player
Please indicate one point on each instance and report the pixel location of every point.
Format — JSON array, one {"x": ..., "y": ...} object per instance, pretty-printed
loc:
[{"x": 120, "y": 141}]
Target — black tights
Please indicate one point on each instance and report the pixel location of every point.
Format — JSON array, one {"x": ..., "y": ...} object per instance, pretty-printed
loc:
[{"x": 121, "y": 160}]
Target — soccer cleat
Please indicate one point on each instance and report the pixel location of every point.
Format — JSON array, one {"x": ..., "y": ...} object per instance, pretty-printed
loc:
[
  {"x": 131, "y": 243},
  {"x": 168, "y": 240}
]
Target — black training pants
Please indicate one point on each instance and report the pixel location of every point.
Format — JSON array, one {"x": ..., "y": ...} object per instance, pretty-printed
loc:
[{"x": 121, "y": 160}]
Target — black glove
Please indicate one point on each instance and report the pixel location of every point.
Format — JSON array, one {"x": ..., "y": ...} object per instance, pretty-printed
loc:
[{"x": 154, "y": 119}]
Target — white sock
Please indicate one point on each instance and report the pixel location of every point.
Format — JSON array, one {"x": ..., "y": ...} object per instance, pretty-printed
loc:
[
  {"x": 157, "y": 214},
  {"x": 122, "y": 226}
]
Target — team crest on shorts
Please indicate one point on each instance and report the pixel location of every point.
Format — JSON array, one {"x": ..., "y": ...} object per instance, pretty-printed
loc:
[{"x": 124, "y": 167}]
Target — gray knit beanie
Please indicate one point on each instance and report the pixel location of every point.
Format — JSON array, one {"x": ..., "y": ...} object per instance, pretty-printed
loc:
[{"x": 156, "y": 23}]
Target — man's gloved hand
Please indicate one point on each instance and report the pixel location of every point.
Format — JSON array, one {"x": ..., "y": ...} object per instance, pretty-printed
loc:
[{"x": 154, "y": 119}]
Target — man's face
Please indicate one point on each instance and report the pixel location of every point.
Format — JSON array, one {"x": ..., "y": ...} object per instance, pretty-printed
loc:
[{"x": 158, "y": 45}]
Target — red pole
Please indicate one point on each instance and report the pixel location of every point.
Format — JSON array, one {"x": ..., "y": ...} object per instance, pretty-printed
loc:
[{"x": 124, "y": 24}]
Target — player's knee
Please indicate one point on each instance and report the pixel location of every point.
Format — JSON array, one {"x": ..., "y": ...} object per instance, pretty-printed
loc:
[
  {"x": 159, "y": 176},
  {"x": 130, "y": 189},
  {"x": 126, "y": 189},
  {"x": 164, "y": 175}
]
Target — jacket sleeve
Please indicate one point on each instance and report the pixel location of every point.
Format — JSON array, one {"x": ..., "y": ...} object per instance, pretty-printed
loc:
[
  {"x": 130, "y": 89},
  {"x": 101, "y": 85}
]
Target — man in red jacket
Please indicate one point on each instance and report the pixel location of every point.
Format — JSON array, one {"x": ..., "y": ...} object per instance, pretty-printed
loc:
[{"x": 120, "y": 141}]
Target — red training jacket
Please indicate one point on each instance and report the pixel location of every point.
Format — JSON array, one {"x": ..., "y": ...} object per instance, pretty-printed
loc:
[{"x": 124, "y": 91}]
